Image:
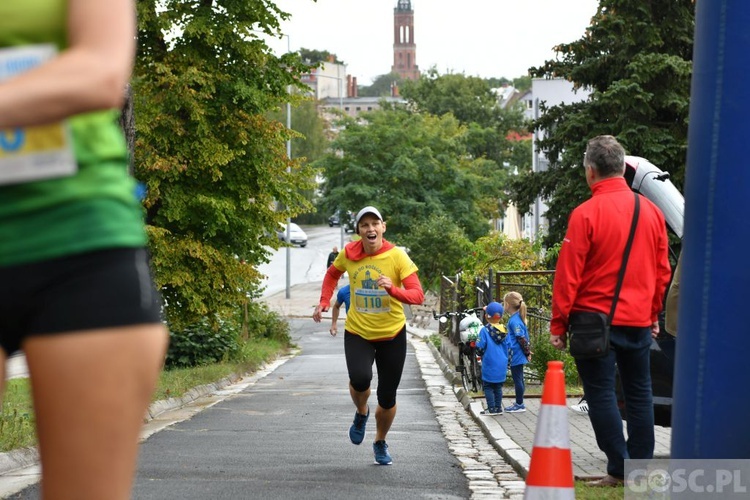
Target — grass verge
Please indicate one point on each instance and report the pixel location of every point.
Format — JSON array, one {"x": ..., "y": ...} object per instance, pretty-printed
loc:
[
  {"x": 17, "y": 416},
  {"x": 177, "y": 381},
  {"x": 584, "y": 492}
]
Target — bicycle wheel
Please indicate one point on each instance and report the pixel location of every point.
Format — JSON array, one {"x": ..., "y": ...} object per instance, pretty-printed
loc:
[
  {"x": 466, "y": 371},
  {"x": 475, "y": 374},
  {"x": 478, "y": 370}
]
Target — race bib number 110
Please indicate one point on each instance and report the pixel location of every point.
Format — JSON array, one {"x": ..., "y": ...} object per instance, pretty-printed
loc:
[{"x": 32, "y": 153}]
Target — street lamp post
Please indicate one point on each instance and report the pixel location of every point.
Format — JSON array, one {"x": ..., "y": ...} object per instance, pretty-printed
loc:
[{"x": 288, "y": 171}]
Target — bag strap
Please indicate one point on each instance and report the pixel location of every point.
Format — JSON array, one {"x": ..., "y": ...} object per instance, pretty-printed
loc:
[{"x": 625, "y": 256}]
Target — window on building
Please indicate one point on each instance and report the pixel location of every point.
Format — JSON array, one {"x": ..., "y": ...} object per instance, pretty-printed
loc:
[
  {"x": 369, "y": 108},
  {"x": 346, "y": 108},
  {"x": 359, "y": 109}
]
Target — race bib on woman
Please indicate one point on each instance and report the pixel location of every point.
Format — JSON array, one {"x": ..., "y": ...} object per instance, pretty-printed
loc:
[{"x": 38, "y": 152}]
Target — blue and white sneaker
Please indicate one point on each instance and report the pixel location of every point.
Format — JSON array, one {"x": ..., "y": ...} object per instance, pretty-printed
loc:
[
  {"x": 582, "y": 407},
  {"x": 357, "y": 430},
  {"x": 495, "y": 410},
  {"x": 382, "y": 457},
  {"x": 516, "y": 408}
]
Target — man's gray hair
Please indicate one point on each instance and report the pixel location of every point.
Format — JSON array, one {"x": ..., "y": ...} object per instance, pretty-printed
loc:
[{"x": 606, "y": 156}]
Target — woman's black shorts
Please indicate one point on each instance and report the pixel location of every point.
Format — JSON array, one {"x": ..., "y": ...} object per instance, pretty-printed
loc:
[{"x": 101, "y": 289}]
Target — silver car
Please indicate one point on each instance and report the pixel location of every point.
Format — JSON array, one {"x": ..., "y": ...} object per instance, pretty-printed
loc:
[{"x": 296, "y": 235}]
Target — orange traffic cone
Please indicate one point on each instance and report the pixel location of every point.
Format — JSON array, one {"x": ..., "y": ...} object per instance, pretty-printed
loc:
[{"x": 551, "y": 470}]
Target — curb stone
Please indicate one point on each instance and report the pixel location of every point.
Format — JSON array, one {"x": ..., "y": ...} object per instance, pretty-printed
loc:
[{"x": 504, "y": 445}]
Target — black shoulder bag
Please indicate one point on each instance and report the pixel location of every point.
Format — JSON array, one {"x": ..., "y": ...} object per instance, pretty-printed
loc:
[{"x": 588, "y": 332}]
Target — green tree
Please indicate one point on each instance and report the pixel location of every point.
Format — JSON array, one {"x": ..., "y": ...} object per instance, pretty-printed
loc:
[
  {"x": 420, "y": 241},
  {"x": 636, "y": 59},
  {"x": 311, "y": 140},
  {"x": 491, "y": 130},
  {"x": 381, "y": 86},
  {"x": 315, "y": 57},
  {"x": 309, "y": 145},
  {"x": 412, "y": 166},
  {"x": 468, "y": 98},
  {"x": 214, "y": 166},
  {"x": 522, "y": 83},
  {"x": 496, "y": 252},
  {"x": 495, "y": 83}
]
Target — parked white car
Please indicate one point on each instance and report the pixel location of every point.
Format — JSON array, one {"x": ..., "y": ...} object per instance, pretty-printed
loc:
[{"x": 296, "y": 235}]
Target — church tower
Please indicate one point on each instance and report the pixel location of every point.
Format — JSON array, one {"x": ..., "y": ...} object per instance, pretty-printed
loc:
[{"x": 404, "y": 48}]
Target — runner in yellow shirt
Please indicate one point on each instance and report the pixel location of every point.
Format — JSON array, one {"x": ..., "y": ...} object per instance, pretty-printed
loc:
[{"x": 382, "y": 278}]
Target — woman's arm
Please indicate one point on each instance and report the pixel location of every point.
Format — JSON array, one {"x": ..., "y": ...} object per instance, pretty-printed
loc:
[
  {"x": 330, "y": 280},
  {"x": 334, "y": 318},
  {"x": 412, "y": 292},
  {"x": 89, "y": 75}
]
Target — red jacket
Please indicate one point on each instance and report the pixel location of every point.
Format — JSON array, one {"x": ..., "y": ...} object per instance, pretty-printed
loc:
[{"x": 591, "y": 256}]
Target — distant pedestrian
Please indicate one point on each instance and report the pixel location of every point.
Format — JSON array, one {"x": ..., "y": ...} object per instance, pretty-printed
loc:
[
  {"x": 519, "y": 346},
  {"x": 586, "y": 276},
  {"x": 493, "y": 347},
  {"x": 332, "y": 256},
  {"x": 343, "y": 297},
  {"x": 375, "y": 329}
]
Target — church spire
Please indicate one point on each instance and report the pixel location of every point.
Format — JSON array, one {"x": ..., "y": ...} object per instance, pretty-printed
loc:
[
  {"x": 403, "y": 5},
  {"x": 404, "y": 47}
]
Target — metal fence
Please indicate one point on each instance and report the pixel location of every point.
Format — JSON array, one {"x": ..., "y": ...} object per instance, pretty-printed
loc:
[
  {"x": 448, "y": 302},
  {"x": 536, "y": 289},
  {"x": 534, "y": 286}
]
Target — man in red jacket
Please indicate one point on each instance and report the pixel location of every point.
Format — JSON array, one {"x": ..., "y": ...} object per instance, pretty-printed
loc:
[{"x": 585, "y": 280}]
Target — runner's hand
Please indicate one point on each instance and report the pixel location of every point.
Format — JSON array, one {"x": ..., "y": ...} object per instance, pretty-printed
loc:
[
  {"x": 318, "y": 314},
  {"x": 385, "y": 282}
]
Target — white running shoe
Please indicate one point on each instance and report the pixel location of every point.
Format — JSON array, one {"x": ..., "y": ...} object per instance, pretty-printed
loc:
[{"x": 582, "y": 407}]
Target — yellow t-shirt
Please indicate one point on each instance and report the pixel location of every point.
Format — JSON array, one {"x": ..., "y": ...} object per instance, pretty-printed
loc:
[{"x": 373, "y": 314}]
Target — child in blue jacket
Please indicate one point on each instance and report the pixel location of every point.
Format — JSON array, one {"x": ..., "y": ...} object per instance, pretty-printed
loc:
[
  {"x": 493, "y": 348},
  {"x": 519, "y": 346}
]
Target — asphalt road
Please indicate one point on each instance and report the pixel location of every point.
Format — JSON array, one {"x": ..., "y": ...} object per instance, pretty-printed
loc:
[{"x": 285, "y": 436}]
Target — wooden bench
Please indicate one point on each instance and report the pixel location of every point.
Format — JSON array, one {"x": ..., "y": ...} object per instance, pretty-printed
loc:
[{"x": 421, "y": 315}]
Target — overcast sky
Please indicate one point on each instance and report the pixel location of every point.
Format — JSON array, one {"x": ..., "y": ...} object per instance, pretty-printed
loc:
[{"x": 486, "y": 38}]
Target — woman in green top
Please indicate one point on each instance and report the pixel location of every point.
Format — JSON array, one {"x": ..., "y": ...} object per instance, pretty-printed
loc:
[{"x": 76, "y": 295}]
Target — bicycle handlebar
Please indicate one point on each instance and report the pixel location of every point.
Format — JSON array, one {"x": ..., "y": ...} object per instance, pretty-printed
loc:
[{"x": 460, "y": 314}]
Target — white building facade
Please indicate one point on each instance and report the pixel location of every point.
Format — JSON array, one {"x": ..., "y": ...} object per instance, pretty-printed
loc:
[
  {"x": 328, "y": 81},
  {"x": 551, "y": 92}
]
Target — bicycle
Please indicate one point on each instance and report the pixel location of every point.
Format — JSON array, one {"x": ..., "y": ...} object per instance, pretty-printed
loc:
[{"x": 469, "y": 362}]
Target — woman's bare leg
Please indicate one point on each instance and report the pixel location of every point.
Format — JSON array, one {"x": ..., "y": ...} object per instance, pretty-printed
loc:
[{"x": 91, "y": 390}]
